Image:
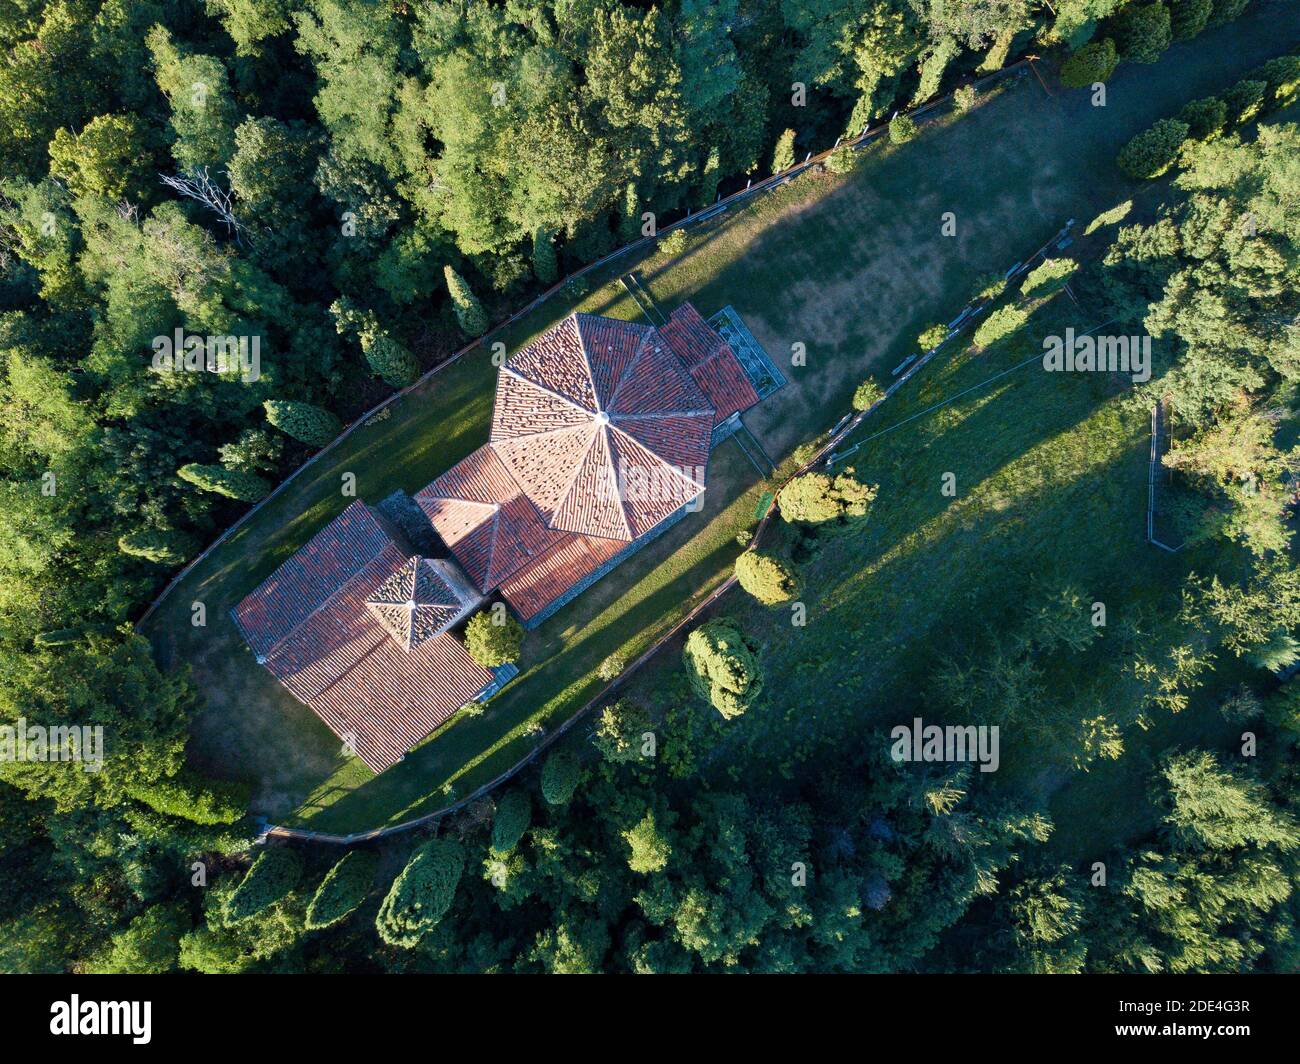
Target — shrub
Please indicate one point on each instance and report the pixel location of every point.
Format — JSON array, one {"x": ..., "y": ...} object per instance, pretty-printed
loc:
[
  {"x": 783, "y": 153},
  {"x": 723, "y": 667},
  {"x": 421, "y": 895},
  {"x": 611, "y": 667},
  {"x": 768, "y": 579},
  {"x": 1048, "y": 276},
  {"x": 1142, "y": 32},
  {"x": 491, "y": 643},
  {"x": 342, "y": 891},
  {"x": 673, "y": 244},
  {"x": 901, "y": 129},
  {"x": 931, "y": 337},
  {"x": 561, "y": 774},
  {"x": 190, "y": 797},
  {"x": 273, "y": 875},
  {"x": 1245, "y": 100},
  {"x": 513, "y": 816},
  {"x": 1205, "y": 117},
  {"x": 963, "y": 99},
  {"x": 470, "y": 314},
  {"x": 818, "y": 498},
  {"x": 1094, "y": 62},
  {"x": 998, "y": 325},
  {"x": 867, "y": 395},
  {"x": 990, "y": 286},
  {"x": 1153, "y": 151},
  {"x": 545, "y": 267},
  {"x": 232, "y": 483},
  {"x": 842, "y": 161},
  {"x": 303, "y": 421},
  {"x": 619, "y": 730},
  {"x": 167, "y": 547},
  {"x": 1116, "y": 214},
  {"x": 1282, "y": 75}
]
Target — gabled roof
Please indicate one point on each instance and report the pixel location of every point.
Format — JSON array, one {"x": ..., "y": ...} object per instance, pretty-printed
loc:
[
  {"x": 710, "y": 361},
  {"x": 602, "y": 428}
]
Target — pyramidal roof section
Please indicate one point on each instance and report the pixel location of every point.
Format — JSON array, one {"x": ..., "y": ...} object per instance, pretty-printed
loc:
[
  {"x": 602, "y": 427},
  {"x": 415, "y": 604}
]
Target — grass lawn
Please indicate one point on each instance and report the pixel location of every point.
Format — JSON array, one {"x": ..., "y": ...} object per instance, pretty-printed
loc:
[{"x": 852, "y": 267}]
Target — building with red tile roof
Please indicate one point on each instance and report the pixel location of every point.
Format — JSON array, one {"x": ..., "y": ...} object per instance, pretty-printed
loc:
[{"x": 600, "y": 441}]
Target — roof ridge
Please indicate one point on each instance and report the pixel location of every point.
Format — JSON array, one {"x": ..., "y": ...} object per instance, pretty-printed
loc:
[
  {"x": 586, "y": 361},
  {"x": 651, "y": 332},
  {"x": 613, "y": 472}
]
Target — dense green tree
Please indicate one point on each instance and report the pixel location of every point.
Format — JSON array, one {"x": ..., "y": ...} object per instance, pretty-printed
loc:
[
  {"x": 148, "y": 945},
  {"x": 469, "y": 311},
  {"x": 723, "y": 667},
  {"x": 1205, "y": 117},
  {"x": 273, "y": 874},
  {"x": 342, "y": 891},
  {"x": 190, "y": 797},
  {"x": 869, "y": 392},
  {"x": 821, "y": 499},
  {"x": 783, "y": 153},
  {"x": 1095, "y": 61},
  {"x": 514, "y": 814},
  {"x": 493, "y": 638},
  {"x": 167, "y": 547},
  {"x": 561, "y": 775},
  {"x": 1188, "y": 17},
  {"x": 901, "y": 129},
  {"x": 767, "y": 578},
  {"x": 421, "y": 894},
  {"x": 545, "y": 266},
  {"x": 387, "y": 357},
  {"x": 1142, "y": 32},
  {"x": 104, "y": 159},
  {"x": 303, "y": 421},
  {"x": 1154, "y": 150},
  {"x": 247, "y": 487}
]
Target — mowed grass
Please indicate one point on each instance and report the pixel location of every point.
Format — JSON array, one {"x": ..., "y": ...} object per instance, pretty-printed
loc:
[
  {"x": 1050, "y": 476},
  {"x": 851, "y": 267}
]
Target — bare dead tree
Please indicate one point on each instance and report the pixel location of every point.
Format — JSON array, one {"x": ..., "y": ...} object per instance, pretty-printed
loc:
[{"x": 198, "y": 185}]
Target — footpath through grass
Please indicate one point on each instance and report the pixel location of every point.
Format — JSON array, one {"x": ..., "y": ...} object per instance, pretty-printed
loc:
[{"x": 851, "y": 267}]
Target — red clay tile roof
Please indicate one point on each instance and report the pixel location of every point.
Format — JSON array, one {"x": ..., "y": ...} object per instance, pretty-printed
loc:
[
  {"x": 393, "y": 698},
  {"x": 602, "y": 428},
  {"x": 710, "y": 360},
  {"x": 550, "y": 575},
  {"x": 312, "y": 625},
  {"x": 486, "y": 521},
  {"x": 320, "y": 569}
]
